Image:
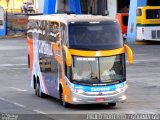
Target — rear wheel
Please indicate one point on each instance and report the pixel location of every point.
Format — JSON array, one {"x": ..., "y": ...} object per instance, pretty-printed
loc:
[
  {"x": 38, "y": 91},
  {"x": 112, "y": 104}
]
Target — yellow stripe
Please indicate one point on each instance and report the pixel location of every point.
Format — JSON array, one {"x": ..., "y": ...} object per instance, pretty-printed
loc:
[{"x": 97, "y": 53}]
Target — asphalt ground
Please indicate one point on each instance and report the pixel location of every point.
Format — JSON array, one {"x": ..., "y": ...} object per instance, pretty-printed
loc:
[{"x": 17, "y": 97}]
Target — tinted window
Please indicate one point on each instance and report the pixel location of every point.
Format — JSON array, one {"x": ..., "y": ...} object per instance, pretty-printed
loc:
[
  {"x": 30, "y": 29},
  {"x": 98, "y": 70},
  {"x": 46, "y": 58},
  {"x": 125, "y": 20},
  {"x": 153, "y": 14},
  {"x": 95, "y": 36},
  {"x": 153, "y": 2},
  {"x": 138, "y": 12},
  {"x": 53, "y": 32}
]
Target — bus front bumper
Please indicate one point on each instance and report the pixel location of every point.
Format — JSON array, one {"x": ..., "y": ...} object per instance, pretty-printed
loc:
[{"x": 97, "y": 99}]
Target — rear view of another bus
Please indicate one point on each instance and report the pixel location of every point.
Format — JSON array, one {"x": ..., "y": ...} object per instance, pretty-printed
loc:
[{"x": 148, "y": 23}]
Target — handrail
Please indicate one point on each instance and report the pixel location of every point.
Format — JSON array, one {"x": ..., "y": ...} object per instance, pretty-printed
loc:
[{"x": 130, "y": 54}]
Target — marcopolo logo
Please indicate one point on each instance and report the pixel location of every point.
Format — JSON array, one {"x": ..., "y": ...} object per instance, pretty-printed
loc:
[{"x": 102, "y": 89}]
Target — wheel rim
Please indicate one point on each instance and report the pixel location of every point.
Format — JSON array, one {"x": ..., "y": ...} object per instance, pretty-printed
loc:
[
  {"x": 39, "y": 91},
  {"x": 36, "y": 90}
]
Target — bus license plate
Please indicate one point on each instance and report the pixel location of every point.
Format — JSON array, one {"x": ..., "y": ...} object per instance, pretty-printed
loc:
[{"x": 100, "y": 99}]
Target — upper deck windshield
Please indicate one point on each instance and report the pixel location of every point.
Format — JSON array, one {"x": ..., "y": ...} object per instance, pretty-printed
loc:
[
  {"x": 102, "y": 70},
  {"x": 95, "y": 36}
]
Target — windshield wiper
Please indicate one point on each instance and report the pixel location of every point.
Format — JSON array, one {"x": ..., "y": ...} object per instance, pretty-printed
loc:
[
  {"x": 114, "y": 81},
  {"x": 82, "y": 82}
]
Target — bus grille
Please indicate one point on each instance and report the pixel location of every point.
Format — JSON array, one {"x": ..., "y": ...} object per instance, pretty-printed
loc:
[
  {"x": 100, "y": 93},
  {"x": 156, "y": 34}
]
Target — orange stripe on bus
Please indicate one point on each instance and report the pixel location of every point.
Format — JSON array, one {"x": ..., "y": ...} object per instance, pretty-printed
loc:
[
  {"x": 31, "y": 52},
  {"x": 97, "y": 53}
]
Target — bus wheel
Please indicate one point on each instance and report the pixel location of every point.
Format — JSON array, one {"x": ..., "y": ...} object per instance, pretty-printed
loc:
[
  {"x": 36, "y": 89},
  {"x": 112, "y": 104},
  {"x": 64, "y": 104},
  {"x": 39, "y": 92}
]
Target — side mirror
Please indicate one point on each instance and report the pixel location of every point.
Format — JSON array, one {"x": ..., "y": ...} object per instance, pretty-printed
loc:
[
  {"x": 68, "y": 56},
  {"x": 130, "y": 54}
]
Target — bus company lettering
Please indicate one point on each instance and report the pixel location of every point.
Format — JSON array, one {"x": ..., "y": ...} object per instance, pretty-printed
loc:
[{"x": 100, "y": 89}]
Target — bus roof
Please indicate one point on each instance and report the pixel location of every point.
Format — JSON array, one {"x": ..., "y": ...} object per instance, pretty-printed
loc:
[{"x": 72, "y": 18}]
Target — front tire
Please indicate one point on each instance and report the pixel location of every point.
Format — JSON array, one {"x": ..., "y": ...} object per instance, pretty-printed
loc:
[
  {"x": 38, "y": 91},
  {"x": 63, "y": 103}
]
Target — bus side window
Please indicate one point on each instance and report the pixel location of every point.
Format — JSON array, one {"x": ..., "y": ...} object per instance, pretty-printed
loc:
[
  {"x": 64, "y": 34},
  {"x": 138, "y": 12},
  {"x": 37, "y": 29},
  {"x": 46, "y": 30},
  {"x": 40, "y": 30},
  {"x": 35, "y": 34},
  {"x": 53, "y": 32}
]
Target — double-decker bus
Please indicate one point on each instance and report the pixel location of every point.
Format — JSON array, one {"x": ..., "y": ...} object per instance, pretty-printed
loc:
[
  {"x": 148, "y": 23},
  {"x": 79, "y": 59}
]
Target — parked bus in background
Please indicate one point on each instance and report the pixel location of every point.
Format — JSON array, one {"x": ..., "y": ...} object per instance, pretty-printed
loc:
[
  {"x": 123, "y": 21},
  {"x": 79, "y": 59},
  {"x": 148, "y": 23}
]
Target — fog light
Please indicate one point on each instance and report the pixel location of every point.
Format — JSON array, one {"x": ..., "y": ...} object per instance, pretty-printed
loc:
[
  {"x": 126, "y": 86},
  {"x": 123, "y": 97}
]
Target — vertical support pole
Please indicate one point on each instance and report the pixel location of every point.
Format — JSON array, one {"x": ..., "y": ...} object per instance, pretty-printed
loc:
[
  {"x": 75, "y": 6},
  {"x": 72, "y": 6},
  {"x": 100, "y": 7},
  {"x": 131, "y": 32},
  {"x": 49, "y": 6},
  {"x": 141, "y": 3},
  {"x": 78, "y": 7}
]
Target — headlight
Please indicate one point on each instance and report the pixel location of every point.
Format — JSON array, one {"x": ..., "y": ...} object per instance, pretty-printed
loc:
[
  {"x": 123, "y": 97},
  {"x": 80, "y": 91},
  {"x": 122, "y": 89}
]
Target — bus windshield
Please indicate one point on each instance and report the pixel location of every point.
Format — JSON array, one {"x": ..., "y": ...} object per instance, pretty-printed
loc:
[
  {"x": 125, "y": 20},
  {"x": 153, "y": 14},
  {"x": 102, "y": 70},
  {"x": 100, "y": 36}
]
